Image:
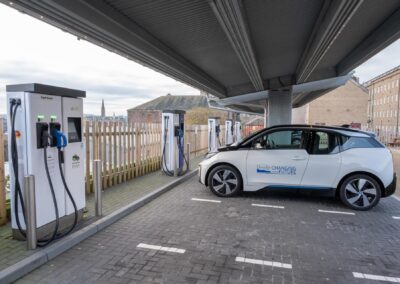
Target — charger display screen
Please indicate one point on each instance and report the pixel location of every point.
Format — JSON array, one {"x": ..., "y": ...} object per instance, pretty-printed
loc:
[{"x": 74, "y": 129}]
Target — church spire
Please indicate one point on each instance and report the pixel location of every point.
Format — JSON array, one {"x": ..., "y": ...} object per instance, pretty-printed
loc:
[{"x": 103, "y": 110}]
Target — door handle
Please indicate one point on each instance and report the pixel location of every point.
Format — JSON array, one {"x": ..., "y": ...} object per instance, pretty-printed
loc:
[{"x": 298, "y": 158}]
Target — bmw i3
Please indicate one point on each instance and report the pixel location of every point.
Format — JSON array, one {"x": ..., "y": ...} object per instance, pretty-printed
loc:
[{"x": 351, "y": 163}]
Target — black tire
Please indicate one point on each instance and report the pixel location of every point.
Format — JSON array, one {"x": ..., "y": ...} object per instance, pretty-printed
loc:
[
  {"x": 225, "y": 181},
  {"x": 360, "y": 192}
]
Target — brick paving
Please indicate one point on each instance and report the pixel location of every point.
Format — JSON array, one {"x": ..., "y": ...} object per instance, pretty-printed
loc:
[
  {"x": 321, "y": 247},
  {"x": 12, "y": 251}
]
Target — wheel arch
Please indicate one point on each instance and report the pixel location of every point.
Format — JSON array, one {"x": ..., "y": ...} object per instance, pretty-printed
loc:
[
  {"x": 220, "y": 164},
  {"x": 378, "y": 180}
]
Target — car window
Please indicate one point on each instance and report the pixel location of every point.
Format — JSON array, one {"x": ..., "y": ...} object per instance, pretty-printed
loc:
[
  {"x": 285, "y": 139},
  {"x": 324, "y": 143},
  {"x": 349, "y": 142}
]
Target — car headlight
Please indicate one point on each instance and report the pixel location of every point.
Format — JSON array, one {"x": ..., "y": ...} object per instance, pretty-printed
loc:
[{"x": 209, "y": 155}]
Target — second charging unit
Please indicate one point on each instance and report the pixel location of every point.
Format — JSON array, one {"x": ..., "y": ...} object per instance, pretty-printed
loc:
[{"x": 173, "y": 160}]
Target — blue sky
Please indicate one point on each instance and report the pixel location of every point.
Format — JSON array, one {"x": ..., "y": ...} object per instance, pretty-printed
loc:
[{"x": 33, "y": 51}]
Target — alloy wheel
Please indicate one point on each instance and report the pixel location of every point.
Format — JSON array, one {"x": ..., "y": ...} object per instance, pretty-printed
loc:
[
  {"x": 224, "y": 181},
  {"x": 360, "y": 192}
]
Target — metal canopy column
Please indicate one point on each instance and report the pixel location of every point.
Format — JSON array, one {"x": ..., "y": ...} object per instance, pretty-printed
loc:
[
  {"x": 266, "y": 114},
  {"x": 279, "y": 108}
]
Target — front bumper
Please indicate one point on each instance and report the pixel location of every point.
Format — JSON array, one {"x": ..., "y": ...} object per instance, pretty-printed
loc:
[
  {"x": 391, "y": 188},
  {"x": 202, "y": 173},
  {"x": 199, "y": 173}
]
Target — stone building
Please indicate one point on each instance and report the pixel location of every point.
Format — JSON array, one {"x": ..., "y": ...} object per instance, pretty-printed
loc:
[
  {"x": 347, "y": 104},
  {"x": 383, "y": 109},
  {"x": 196, "y": 107}
]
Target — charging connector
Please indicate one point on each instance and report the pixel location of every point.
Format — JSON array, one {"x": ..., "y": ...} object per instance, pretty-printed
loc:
[{"x": 42, "y": 135}]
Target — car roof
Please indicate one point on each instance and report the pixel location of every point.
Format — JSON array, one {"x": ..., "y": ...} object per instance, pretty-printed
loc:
[{"x": 342, "y": 130}]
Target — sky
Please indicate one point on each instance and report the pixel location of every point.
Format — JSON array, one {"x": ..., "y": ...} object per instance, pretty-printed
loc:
[{"x": 33, "y": 51}]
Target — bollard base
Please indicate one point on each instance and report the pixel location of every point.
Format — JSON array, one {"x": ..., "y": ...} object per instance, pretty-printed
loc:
[{"x": 47, "y": 230}]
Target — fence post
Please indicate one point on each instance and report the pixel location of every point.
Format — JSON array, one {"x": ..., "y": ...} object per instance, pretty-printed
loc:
[
  {"x": 30, "y": 211},
  {"x": 87, "y": 144},
  {"x": 188, "y": 155},
  {"x": 3, "y": 210},
  {"x": 97, "y": 187}
]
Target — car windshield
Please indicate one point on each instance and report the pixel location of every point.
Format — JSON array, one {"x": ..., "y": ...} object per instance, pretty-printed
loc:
[{"x": 248, "y": 137}]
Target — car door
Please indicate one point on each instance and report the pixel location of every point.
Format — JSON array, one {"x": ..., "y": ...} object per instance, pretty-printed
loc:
[
  {"x": 277, "y": 158},
  {"x": 324, "y": 160}
]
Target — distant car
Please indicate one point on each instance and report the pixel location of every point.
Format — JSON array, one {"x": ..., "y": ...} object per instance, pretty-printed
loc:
[{"x": 356, "y": 166}]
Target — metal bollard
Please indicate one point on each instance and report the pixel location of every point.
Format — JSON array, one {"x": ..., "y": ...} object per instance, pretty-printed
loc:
[
  {"x": 174, "y": 160},
  {"x": 98, "y": 202},
  {"x": 188, "y": 155},
  {"x": 30, "y": 211}
]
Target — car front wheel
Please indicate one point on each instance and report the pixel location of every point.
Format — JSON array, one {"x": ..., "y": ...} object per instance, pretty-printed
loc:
[
  {"x": 360, "y": 192},
  {"x": 225, "y": 181}
]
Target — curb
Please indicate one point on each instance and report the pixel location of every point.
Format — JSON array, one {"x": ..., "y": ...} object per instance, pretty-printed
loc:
[{"x": 39, "y": 258}]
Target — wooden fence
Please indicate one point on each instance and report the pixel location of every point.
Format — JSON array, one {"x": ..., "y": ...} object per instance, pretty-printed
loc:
[
  {"x": 126, "y": 150},
  {"x": 130, "y": 150}
]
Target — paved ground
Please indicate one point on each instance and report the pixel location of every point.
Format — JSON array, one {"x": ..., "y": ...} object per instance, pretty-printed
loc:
[
  {"x": 12, "y": 251},
  {"x": 298, "y": 243}
]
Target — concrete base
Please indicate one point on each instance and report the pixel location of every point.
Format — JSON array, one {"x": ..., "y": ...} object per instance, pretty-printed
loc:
[
  {"x": 279, "y": 108},
  {"x": 47, "y": 230}
]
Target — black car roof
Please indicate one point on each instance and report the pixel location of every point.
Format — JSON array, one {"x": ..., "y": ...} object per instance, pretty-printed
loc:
[{"x": 309, "y": 126}]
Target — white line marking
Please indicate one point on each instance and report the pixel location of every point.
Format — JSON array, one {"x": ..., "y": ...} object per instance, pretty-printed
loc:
[
  {"x": 206, "y": 200},
  {"x": 395, "y": 197},
  {"x": 376, "y": 277},
  {"x": 266, "y": 205},
  {"x": 169, "y": 249},
  {"x": 396, "y": 217},
  {"x": 264, "y": 262},
  {"x": 336, "y": 212}
]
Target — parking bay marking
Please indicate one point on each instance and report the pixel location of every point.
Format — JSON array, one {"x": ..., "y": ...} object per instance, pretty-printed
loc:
[
  {"x": 396, "y": 217},
  {"x": 269, "y": 206},
  {"x": 206, "y": 200},
  {"x": 336, "y": 212},
  {"x": 263, "y": 262},
  {"x": 153, "y": 247},
  {"x": 376, "y": 277}
]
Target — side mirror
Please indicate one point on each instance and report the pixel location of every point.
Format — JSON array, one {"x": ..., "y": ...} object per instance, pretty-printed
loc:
[{"x": 258, "y": 146}]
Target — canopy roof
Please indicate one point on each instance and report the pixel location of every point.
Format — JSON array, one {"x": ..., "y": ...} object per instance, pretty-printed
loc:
[{"x": 232, "y": 47}]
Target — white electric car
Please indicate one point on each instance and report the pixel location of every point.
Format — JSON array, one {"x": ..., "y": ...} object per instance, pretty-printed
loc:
[{"x": 352, "y": 163}]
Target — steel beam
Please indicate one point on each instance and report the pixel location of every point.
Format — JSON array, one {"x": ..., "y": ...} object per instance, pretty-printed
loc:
[
  {"x": 232, "y": 19},
  {"x": 384, "y": 35},
  {"x": 333, "y": 18}
]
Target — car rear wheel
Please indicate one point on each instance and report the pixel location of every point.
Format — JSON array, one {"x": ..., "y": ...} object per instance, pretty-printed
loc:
[
  {"x": 225, "y": 181},
  {"x": 360, "y": 192}
]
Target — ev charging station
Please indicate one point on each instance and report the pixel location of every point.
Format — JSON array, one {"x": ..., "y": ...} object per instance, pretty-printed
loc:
[
  {"x": 173, "y": 161},
  {"x": 45, "y": 140},
  {"x": 228, "y": 131},
  {"x": 214, "y": 130},
  {"x": 238, "y": 131}
]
